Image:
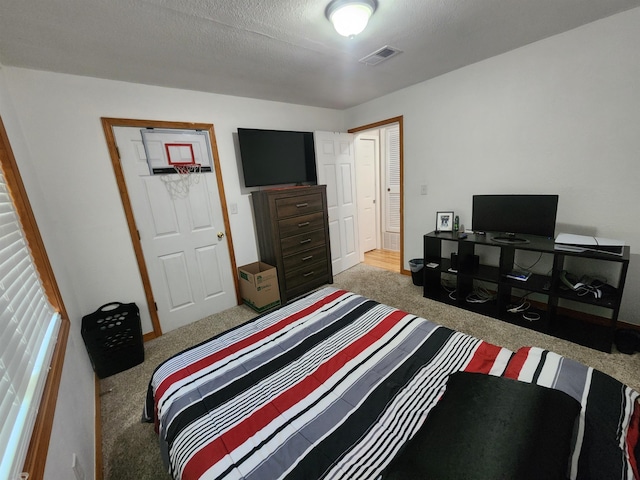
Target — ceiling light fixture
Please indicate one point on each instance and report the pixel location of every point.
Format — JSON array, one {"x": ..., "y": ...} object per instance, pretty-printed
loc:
[{"x": 350, "y": 17}]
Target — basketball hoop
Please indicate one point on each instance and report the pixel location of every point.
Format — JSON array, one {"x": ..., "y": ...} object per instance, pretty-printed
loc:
[{"x": 178, "y": 183}]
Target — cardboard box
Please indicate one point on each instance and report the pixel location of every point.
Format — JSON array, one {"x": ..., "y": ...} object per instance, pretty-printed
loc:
[{"x": 259, "y": 286}]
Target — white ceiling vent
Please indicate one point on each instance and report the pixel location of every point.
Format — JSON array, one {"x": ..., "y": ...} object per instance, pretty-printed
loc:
[{"x": 380, "y": 55}]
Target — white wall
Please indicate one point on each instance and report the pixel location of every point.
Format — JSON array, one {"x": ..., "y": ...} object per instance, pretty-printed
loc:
[
  {"x": 73, "y": 430},
  {"x": 54, "y": 120},
  {"x": 558, "y": 116},
  {"x": 60, "y": 117}
]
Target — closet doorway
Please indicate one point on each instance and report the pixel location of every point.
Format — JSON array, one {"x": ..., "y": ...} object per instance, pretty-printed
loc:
[{"x": 379, "y": 174}]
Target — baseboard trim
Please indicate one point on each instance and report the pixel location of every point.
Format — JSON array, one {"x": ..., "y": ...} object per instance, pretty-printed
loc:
[
  {"x": 631, "y": 326},
  {"x": 149, "y": 336}
]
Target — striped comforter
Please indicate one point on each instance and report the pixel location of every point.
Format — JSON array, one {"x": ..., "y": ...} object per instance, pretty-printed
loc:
[{"x": 334, "y": 384}]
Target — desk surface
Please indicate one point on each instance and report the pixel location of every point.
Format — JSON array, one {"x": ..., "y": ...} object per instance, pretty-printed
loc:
[{"x": 533, "y": 243}]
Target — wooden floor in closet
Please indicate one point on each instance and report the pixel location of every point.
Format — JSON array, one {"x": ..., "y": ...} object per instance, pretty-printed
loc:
[{"x": 387, "y": 259}]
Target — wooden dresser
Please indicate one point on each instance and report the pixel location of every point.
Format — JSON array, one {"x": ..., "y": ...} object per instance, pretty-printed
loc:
[{"x": 293, "y": 235}]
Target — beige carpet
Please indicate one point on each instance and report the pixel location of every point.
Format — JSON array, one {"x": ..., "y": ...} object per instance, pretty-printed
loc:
[{"x": 130, "y": 448}]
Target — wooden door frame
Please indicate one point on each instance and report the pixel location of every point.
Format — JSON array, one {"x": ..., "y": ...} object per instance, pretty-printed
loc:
[
  {"x": 383, "y": 123},
  {"x": 108, "y": 124}
]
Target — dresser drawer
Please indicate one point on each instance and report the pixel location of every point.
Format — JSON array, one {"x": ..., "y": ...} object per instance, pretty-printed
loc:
[
  {"x": 305, "y": 241},
  {"x": 307, "y": 257},
  {"x": 311, "y": 273},
  {"x": 301, "y": 224},
  {"x": 299, "y": 205}
]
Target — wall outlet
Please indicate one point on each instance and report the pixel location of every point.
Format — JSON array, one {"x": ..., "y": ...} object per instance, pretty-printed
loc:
[
  {"x": 423, "y": 189},
  {"x": 77, "y": 469}
]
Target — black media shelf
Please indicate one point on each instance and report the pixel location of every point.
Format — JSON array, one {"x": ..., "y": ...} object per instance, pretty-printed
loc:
[
  {"x": 540, "y": 324},
  {"x": 557, "y": 320},
  {"x": 599, "y": 337}
]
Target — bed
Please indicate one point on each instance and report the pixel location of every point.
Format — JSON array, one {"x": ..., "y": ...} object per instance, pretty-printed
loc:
[{"x": 338, "y": 386}]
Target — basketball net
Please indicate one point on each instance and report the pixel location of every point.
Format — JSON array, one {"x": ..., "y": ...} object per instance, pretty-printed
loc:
[{"x": 179, "y": 183}]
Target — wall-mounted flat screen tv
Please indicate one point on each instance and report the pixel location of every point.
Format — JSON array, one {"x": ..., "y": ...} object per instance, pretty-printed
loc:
[
  {"x": 513, "y": 214},
  {"x": 277, "y": 157}
]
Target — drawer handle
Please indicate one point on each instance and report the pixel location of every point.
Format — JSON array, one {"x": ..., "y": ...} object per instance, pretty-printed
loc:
[
  {"x": 303, "y": 224},
  {"x": 305, "y": 241},
  {"x": 307, "y": 258},
  {"x": 301, "y": 205},
  {"x": 308, "y": 274}
]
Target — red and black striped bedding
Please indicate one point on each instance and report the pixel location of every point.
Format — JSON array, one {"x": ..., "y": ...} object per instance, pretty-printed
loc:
[{"x": 334, "y": 384}]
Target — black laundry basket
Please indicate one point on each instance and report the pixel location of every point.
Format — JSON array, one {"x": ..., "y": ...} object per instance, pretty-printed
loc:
[{"x": 113, "y": 337}]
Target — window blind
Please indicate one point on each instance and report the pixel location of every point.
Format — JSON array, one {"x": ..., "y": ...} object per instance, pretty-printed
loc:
[{"x": 28, "y": 330}]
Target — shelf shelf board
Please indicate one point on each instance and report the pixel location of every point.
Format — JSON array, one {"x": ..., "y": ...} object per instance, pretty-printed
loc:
[
  {"x": 482, "y": 308},
  {"x": 440, "y": 295},
  {"x": 541, "y": 325},
  {"x": 485, "y": 273},
  {"x": 590, "y": 299},
  {"x": 535, "y": 283},
  {"x": 598, "y": 337}
]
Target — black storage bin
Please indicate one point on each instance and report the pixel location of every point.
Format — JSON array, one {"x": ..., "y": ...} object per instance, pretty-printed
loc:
[
  {"x": 113, "y": 337},
  {"x": 417, "y": 275}
]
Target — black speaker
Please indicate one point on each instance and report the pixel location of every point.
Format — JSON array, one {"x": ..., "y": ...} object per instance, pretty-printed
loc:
[{"x": 454, "y": 261}]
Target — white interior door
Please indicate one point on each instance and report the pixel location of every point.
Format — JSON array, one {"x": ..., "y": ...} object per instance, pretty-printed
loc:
[
  {"x": 367, "y": 161},
  {"x": 185, "y": 251},
  {"x": 335, "y": 161}
]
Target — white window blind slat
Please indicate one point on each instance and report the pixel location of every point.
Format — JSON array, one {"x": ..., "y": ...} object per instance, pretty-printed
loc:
[
  {"x": 20, "y": 302},
  {"x": 8, "y": 407},
  {"x": 10, "y": 258},
  {"x": 12, "y": 353},
  {"x": 6, "y": 340},
  {"x": 6, "y": 227},
  {"x": 28, "y": 329},
  {"x": 5, "y": 208},
  {"x": 24, "y": 309}
]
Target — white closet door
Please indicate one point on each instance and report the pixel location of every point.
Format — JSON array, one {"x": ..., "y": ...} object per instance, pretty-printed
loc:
[
  {"x": 335, "y": 161},
  {"x": 183, "y": 242}
]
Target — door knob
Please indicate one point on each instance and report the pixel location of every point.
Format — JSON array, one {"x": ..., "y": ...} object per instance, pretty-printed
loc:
[{"x": 220, "y": 235}]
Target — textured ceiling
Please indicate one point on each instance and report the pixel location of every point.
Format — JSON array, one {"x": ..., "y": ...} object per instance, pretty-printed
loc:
[{"x": 282, "y": 50}]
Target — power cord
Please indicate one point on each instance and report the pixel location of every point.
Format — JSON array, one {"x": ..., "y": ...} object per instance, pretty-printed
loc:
[
  {"x": 480, "y": 295},
  {"x": 450, "y": 288},
  {"x": 523, "y": 308},
  {"x": 528, "y": 269}
]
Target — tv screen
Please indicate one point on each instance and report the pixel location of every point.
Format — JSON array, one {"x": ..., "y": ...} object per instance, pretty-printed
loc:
[
  {"x": 277, "y": 157},
  {"x": 524, "y": 214}
]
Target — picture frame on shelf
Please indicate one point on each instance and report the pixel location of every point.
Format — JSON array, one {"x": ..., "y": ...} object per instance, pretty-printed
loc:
[{"x": 444, "y": 222}]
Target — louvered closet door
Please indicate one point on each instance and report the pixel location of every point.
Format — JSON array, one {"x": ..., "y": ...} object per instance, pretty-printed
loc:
[{"x": 391, "y": 216}]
